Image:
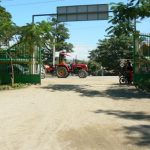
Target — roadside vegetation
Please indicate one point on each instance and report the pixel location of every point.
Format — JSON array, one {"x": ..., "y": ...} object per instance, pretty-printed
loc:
[
  {"x": 14, "y": 86},
  {"x": 44, "y": 35},
  {"x": 144, "y": 85},
  {"x": 118, "y": 44}
]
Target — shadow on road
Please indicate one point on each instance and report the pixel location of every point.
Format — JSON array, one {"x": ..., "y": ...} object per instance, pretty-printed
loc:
[
  {"x": 82, "y": 89},
  {"x": 125, "y": 115},
  {"x": 115, "y": 92},
  {"x": 137, "y": 134},
  {"x": 126, "y": 93}
]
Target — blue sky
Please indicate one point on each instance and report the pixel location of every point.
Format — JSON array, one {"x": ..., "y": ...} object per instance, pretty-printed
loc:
[{"x": 83, "y": 35}]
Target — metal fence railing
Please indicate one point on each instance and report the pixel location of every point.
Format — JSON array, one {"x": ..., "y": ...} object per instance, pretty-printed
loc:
[
  {"x": 142, "y": 58},
  {"x": 26, "y": 65}
]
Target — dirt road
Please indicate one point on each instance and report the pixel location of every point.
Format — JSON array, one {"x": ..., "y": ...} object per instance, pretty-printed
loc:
[{"x": 75, "y": 114}]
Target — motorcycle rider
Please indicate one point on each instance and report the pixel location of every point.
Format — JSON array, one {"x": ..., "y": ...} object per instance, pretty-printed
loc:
[{"x": 129, "y": 73}]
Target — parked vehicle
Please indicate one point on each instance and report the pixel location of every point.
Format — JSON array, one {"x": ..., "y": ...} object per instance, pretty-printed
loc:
[
  {"x": 49, "y": 69},
  {"x": 63, "y": 69}
]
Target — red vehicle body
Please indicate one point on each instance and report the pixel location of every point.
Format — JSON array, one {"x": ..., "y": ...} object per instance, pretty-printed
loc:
[
  {"x": 63, "y": 69},
  {"x": 49, "y": 68}
]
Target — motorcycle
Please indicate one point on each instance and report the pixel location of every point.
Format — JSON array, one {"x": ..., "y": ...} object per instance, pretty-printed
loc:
[{"x": 126, "y": 78}]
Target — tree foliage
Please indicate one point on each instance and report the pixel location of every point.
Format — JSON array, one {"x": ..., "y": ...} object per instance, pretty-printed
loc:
[
  {"x": 61, "y": 34},
  {"x": 7, "y": 27},
  {"x": 94, "y": 67},
  {"x": 54, "y": 30},
  {"x": 124, "y": 16},
  {"x": 41, "y": 34},
  {"x": 45, "y": 34},
  {"x": 110, "y": 51},
  {"x": 120, "y": 42}
]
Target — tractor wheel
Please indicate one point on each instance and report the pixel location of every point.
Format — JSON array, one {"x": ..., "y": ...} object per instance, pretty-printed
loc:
[
  {"x": 62, "y": 72},
  {"x": 82, "y": 73}
]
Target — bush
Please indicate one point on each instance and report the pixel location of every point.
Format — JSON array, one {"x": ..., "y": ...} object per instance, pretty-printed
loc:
[{"x": 144, "y": 85}]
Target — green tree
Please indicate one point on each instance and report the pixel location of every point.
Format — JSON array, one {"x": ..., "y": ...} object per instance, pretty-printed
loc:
[
  {"x": 124, "y": 16},
  {"x": 42, "y": 34},
  {"x": 142, "y": 8},
  {"x": 7, "y": 27},
  {"x": 94, "y": 67},
  {"x": 56, "y": 34},
  {"x": 110, "y": 51},
  {"x": 7, "y": 32},
  {"x": 29, "y": 35},
  {"x": 55, "y": 30}
]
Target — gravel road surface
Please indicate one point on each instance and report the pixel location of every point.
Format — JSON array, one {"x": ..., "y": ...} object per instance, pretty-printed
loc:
[{"x": 95, "y": 113}]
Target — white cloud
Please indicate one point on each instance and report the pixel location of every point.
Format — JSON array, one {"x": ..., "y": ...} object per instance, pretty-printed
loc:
[{"x": 81, "y": 51}]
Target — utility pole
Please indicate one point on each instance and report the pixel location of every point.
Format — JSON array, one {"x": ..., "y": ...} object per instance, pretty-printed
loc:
[{"x": 54, "y": 49}]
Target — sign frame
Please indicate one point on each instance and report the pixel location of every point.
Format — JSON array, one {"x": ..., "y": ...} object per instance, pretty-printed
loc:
[{"x": 82, "y": 12}]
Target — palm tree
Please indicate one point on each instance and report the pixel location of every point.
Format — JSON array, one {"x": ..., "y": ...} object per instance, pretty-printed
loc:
[{"x": 30, "y": 37}]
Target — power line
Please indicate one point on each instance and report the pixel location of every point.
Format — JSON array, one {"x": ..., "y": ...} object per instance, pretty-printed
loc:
[
  {"x": 32, "y": 3},
  {"x": 7, "y": 0}
]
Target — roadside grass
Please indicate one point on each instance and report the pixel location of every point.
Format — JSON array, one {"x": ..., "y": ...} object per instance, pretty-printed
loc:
[
  {"x": 15, "y": 86},
  {"x": 144, "y": 85},
  {"x": 147, "y": 85}
]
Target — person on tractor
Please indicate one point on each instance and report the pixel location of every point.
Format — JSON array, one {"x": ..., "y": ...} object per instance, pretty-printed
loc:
[{"x": 62, "y": 56}]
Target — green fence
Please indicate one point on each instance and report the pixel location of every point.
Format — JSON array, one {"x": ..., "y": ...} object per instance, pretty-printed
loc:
[
  {"x": 23, "y": 63},
  {"x": 142, "y": 58}
]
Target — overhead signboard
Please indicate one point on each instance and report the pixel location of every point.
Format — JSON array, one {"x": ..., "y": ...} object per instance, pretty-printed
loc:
[{"x": 82, "y": 12}]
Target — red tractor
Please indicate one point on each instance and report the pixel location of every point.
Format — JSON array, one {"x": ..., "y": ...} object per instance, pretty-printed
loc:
[{"x": 63, "y": 69}]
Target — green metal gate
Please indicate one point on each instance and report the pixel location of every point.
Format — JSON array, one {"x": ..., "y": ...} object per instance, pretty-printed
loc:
[
  {"x": 26, "y": 65},
  {"x": 142, "y": 58}
]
